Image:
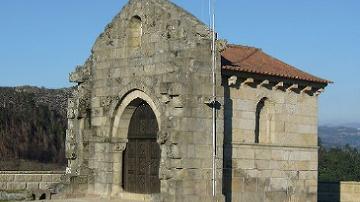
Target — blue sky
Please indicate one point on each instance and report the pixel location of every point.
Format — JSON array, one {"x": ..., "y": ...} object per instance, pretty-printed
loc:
[{"x": 41, "y": 41}]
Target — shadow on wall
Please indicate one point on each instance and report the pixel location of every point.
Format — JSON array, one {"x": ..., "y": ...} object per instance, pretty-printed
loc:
[
  {"x": 328, "y": 191},
  {"x": 227, "y": 148}
]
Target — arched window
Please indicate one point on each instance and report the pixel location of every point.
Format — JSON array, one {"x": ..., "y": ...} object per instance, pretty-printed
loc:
[
  {"x": 263, "y": 121},
  {"x": 134, "y": 32}
]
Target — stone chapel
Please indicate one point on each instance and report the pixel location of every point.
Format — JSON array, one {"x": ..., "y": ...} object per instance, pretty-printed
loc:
[{"x": 140, "y": 123}]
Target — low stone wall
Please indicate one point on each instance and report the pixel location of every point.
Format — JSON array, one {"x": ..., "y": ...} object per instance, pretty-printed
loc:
[
  {"x": 256, "y": 172},
  {"x": 28, "y": 180},
  {"x": 339, "y": 191},
  {"x": 349, "y": 191}
]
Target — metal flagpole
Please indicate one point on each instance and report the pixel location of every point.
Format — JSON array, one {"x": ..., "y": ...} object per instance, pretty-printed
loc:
[{"x": 212, "y": 2}]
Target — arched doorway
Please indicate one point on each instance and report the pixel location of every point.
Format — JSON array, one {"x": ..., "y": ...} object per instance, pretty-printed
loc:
[{"x": 141, "y": 158}]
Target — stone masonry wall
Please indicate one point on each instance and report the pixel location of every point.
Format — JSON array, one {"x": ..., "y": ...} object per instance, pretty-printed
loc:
[
  {"x": 28, "y": 180},
  {"x": 293, "y": 122},
  {"x": 171, "y": 71},
  {"x": 349, "y": 191},
  {"x": 282, "y": 165},
  {"x": 272, "y": 173},
  {"x": 156, "y": 52}
]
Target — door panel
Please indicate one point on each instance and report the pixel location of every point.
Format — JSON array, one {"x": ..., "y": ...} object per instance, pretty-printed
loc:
[{"x": 142, "y": 153}]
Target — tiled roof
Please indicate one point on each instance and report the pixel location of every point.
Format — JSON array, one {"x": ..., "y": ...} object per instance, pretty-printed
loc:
[{"x": 253, "y": 60}]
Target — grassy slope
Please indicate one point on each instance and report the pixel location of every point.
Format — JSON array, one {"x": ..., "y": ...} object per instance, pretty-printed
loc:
[{"x": 32, "y": 127}]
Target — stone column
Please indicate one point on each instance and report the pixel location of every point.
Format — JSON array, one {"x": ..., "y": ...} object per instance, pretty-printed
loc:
[{"x": 117, "y": 158}]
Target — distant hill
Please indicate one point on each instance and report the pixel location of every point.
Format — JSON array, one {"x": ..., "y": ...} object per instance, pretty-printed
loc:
[
  {"x": 33, "y": 124},
  {"x": 339, "y": 136}
]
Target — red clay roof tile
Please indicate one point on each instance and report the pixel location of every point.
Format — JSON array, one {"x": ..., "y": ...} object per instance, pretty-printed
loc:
[{"x": 253, "y": 60}]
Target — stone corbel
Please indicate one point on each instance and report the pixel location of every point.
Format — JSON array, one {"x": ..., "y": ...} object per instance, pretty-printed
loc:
[
  {"x": 292, "y": 87},
  {"x": 307, "y": 89},
  {"x": 247, "y": 81},
  {"x": 232, "y": 80},
  {"x": 263, "y": 83},
  {"x": 279, "y": 85},
  {"x": 319, "y": 91}
]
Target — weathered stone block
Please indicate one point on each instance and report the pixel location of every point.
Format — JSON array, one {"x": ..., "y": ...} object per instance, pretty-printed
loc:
[
  {"x": 32, "y": 185},
  {"x": 51, "y": 178},
  {"x": 3, "y": 185},
  {"x": 244, "y": 105},
  {"x": 27, "y": 178},
  {"x": 45, "y": 185},
  {"x": 247, "y": 124},
  {"x": 263, "y": 154},
  {"x": 245, "y": 163},
  {"x": 252, "y": 196},
  {"x": 278, "y": 154},
  {"x": 262, "y": 164},
  {"x": 191, "y": 163},
  {"x": 237, "y": 185},
  {"x": 250, "y": 184},
  {"x": 16, "y": 185},
  {"x": 243, "y": 153},
  {"x": 7, "y": 178},
  {"x": 308, "y": 175},
  {"x": 203, "y": 151}
]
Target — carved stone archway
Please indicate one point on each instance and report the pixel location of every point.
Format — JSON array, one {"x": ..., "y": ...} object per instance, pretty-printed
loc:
[
  {"x": 120, "y": 139},
  {"x": 141, "y": 159}
]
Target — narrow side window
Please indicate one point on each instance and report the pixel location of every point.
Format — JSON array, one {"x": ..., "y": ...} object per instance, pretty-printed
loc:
[{"x": 135, "y": 32}]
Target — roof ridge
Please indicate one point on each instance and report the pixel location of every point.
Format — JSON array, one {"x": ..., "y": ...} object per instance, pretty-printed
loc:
[{"x": 242, "y": 46}]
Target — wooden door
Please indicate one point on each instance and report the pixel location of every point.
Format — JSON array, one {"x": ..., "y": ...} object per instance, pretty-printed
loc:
[{"x": 142, "y": 153}]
